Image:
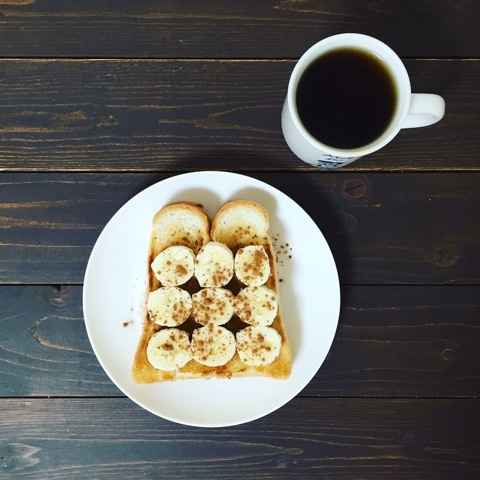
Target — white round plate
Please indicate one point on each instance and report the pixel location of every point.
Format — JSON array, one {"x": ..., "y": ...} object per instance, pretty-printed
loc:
[{"x": 114, "y": 299}]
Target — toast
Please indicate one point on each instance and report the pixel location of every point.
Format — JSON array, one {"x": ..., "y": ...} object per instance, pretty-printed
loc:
[{"x": 238, "y": 226}]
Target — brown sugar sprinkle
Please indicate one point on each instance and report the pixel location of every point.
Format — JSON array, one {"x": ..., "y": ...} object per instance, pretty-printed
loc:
[
  {"x": 216, "y": 274},
  {"x": 259, "y": 257},
  {"x": 213, "y": 305},
  {"x": 205, "y": 349},
  {"x": 180, "y": 270},
  {"x": 281, "y": 248},
  {"x": 283, "y": 251},
  {"x": 202, "y": 347},
  {"x": 252, "y": 265},
  {"x": 178, "y": 309},
  {"x": 220, "y": 277}
]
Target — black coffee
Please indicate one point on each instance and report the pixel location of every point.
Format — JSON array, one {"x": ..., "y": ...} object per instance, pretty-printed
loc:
[{"x": 346, "y": 98}]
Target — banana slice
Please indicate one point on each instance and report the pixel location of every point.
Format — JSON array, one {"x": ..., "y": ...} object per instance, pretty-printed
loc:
[
  {"x": 169, "y": 306},
  {"x": 212, "y": 345},
  {"x": 169, "y": 349},
  {"x": 257, "y": 305},
  {"x": 252, "y": 266},
  {"x": 174, "y": 266},
  {"x": 213, "y": 305},
  {"x": 258, "y": 346},
  {"x": 214, "y": 265}
]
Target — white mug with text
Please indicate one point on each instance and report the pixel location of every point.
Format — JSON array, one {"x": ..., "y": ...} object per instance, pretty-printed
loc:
[{"x": 348, "y": 96}]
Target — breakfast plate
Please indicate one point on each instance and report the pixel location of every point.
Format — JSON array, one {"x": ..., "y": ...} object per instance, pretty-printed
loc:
[{"x": 115, "y": 287}]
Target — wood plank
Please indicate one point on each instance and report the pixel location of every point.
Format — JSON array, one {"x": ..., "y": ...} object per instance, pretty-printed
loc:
[
  {"x": 390, "y": 342},
  {"x": 308, "y": 438},
  {"x": 162, "y": 115},
  {"x": 200, "y": 29},
  {"x": 49, "y": 224},
  {"x": 426, "y": 225},
  {"x": 404, "y": 342},
  {"x": 44, "y": 347}
]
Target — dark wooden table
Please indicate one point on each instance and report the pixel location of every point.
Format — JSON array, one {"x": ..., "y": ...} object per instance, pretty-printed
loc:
[{"x": 99, "y": 100}]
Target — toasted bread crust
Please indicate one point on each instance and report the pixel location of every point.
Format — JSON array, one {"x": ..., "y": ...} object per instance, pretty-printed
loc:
[
  {"x": 181, "y": 223},
  {"x": 236, "y": 224},
  {"x": 239, "y": 223}
]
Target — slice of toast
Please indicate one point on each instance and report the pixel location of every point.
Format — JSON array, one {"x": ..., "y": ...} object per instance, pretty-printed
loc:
[{"x": 237, "y": 224}]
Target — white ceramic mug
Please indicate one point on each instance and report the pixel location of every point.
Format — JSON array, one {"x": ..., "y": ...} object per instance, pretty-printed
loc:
[{"x": 412, "y": 110}]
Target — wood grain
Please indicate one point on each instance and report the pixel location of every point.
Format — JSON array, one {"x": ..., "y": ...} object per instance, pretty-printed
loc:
[
  {"x": 426, "y": 225},
  {"x": 404, "y": 342},
  {"x": 173, "y": 115},
  {"x": 390, "y": 342},
  {"x": 44, "y": 348},
  {"x": 247, "y": 29},
  {"x": 308, "y": 438}
]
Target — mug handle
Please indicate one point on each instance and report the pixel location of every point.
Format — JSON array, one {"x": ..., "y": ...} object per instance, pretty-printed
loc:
[{"x": 425, "y": 109}]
